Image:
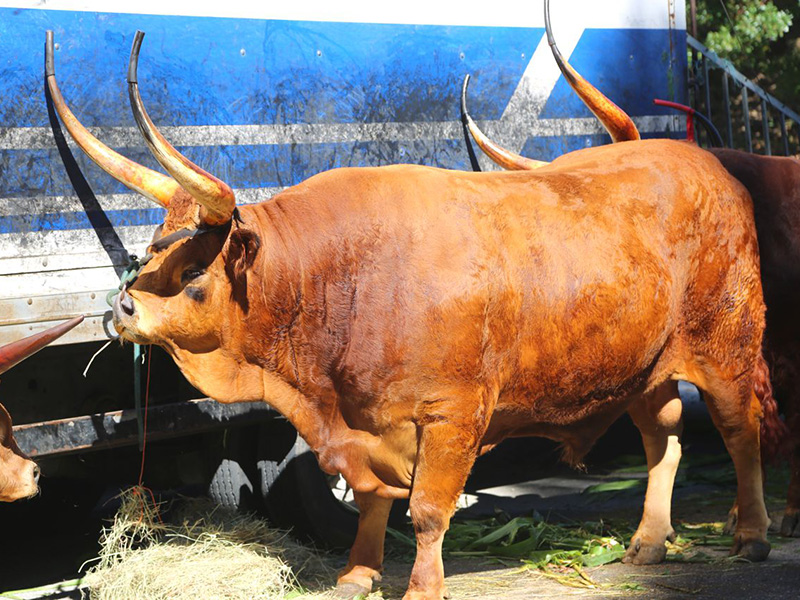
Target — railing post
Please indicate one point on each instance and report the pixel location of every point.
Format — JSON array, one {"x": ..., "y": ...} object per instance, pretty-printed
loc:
[
  {"x": 707, "y": 85},
  {"x": 727, "y": 104},
  {"x": 784, "y": 135},
  {"x": 765, "y": 126},
  {"x": 746, "y": 115}
]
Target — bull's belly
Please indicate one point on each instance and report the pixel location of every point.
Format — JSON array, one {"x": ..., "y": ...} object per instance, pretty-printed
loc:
[{"x": 575, "y": 416}]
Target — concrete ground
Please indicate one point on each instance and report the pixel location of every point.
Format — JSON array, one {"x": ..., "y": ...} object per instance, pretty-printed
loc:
[{"x": 704, "y": 492}]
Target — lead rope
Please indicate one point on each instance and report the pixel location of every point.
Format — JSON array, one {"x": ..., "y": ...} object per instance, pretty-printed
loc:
[
  {"x": 140, "y": 487},
  {"x": 144, "y": 419},
  {"x": 128, "y": 276}
]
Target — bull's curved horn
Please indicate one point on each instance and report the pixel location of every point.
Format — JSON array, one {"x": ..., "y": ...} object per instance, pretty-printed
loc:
[
  {"x": 618, "y": 124},
  {"x": 213, "y": 195},
  {"x": 16, "y": 352},
  {"x": 149, "y": 183},
  {"x": 504, "y": 158}
]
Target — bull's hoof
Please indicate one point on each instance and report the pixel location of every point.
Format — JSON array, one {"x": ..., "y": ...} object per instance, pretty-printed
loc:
[
  {"x": 752, "y": 550},
  {"x": 348, "y": 590},
  {"x": 789, "y": 525},
  {"x": 640, "y": 553},
  {"x": 426, "y": 595}
]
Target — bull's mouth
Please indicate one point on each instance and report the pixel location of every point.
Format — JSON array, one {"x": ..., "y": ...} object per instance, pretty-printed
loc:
[
  {"x": 20, "y": 496},
  {"x": 127, "y": 333},
  {"x": 23, "y": 490}
]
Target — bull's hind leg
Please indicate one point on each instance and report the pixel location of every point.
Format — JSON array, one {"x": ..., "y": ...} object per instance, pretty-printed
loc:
[
  {"x": 658, "y": 417},
  {"x": 735, "y": 410},
  {"x": 366, "y": 556}
]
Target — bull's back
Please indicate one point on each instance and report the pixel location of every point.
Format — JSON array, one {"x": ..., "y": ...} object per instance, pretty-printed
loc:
[{"x": 569, "y": 279}]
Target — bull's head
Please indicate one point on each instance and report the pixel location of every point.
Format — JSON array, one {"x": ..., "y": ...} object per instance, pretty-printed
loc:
[
  {"x": 19, "y": 476},
  {"x": 200, "y": 255}
]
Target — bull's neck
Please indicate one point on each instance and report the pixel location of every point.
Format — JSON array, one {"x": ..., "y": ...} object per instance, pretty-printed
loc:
[{"x": 300, "y": 305}]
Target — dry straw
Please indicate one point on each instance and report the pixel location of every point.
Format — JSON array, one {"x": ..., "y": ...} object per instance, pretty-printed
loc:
[{"x": 202, "y": 552}]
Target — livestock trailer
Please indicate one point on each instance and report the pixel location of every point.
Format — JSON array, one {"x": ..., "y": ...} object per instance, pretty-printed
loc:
[{"x": 263, "y": 96}]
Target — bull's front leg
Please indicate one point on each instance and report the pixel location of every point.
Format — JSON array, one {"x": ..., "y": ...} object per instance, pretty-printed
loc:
[
  {"x": 446, "y": 455},
  {"x": 366, "y": 556},
  {"x": 658, "y": 417}
]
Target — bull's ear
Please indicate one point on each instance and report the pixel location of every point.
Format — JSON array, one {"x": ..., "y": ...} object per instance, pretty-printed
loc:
[{"x": 243, "y": 247}]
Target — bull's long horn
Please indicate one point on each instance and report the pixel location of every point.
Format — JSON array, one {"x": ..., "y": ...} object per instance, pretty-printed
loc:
[
  {"x": 147, "y": 182},
  {"x": 618, "y": 124},
  {"x": 213, "y": 195},
  {"x": 16, "y": 352},
  {"x": 504, "y": 158}
]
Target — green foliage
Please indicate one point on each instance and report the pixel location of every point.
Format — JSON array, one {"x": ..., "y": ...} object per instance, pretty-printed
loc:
[
  {"x": 760, "y": 37},
  {"x": 557, "y": 550},
  {"x": 744, "y": 30}
]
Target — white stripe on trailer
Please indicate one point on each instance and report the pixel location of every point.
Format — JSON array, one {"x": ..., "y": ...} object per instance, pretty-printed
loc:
[
  {"x": 37, "y": 138},
  {"x": 128, "y": 201},
  {"x": 608, "y": 14}
]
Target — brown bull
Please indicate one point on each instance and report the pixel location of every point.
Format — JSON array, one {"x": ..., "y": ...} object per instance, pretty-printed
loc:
[
  {"x": 774, "y": 184},
  {"x": 405, "y": 319},
  {"x": 19, "y": 476}
]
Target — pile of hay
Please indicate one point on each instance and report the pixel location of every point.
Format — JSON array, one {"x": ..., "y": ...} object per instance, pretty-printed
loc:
[{"x": 201, "y": 552}]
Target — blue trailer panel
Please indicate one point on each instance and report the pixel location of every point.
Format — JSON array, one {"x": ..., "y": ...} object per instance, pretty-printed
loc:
[{"x": 266, "y": 97}]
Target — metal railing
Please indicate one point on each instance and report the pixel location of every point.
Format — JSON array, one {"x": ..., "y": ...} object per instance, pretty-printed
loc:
[{"x": 711, "y": 101}]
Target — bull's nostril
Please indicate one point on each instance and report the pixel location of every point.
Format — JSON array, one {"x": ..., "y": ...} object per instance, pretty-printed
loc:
[
  {"x": 126, "y": 303},
  {"x": 36, "y": 473}
]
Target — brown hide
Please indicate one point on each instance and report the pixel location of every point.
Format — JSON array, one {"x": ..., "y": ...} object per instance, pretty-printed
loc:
[
  {"x": 385, "y": 295},
  {"x": 774, "y": 183}
]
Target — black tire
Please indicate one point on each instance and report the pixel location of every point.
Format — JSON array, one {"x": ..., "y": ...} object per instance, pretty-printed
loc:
[
  {"x": 234, "y": 479},
  {"x": 269, "y": 468},
  {"x": 297, "y": 494}
]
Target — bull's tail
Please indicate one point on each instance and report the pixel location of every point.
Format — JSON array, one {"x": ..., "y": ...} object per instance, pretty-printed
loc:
[{"x": 775, "y": 438}]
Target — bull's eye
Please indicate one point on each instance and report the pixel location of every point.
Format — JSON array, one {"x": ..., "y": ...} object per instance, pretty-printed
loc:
[{"x": 190, "y": 275}]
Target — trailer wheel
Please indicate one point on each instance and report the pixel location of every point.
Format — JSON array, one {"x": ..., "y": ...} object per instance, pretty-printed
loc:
[
  {"x": 298, "y": 495},
  {"x": 234, "y": 479}
]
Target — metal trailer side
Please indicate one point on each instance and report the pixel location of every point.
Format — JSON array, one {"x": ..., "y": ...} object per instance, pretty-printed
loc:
[{"x": 263, "y": 97}]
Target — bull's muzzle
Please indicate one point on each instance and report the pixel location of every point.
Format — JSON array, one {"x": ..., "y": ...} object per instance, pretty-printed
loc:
[{"x": 123, "y": 310}]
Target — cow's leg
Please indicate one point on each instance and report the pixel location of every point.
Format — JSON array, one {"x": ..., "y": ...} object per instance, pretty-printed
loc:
[
  {"x": 445, "y": 457},
  {"x": 735, "y": 410},
  {"x": 366, "y": 555},
  {"x": 658, "y": 417},
  {"x": 790, "y": 525},
  {"x": 789, "y": 395}
]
